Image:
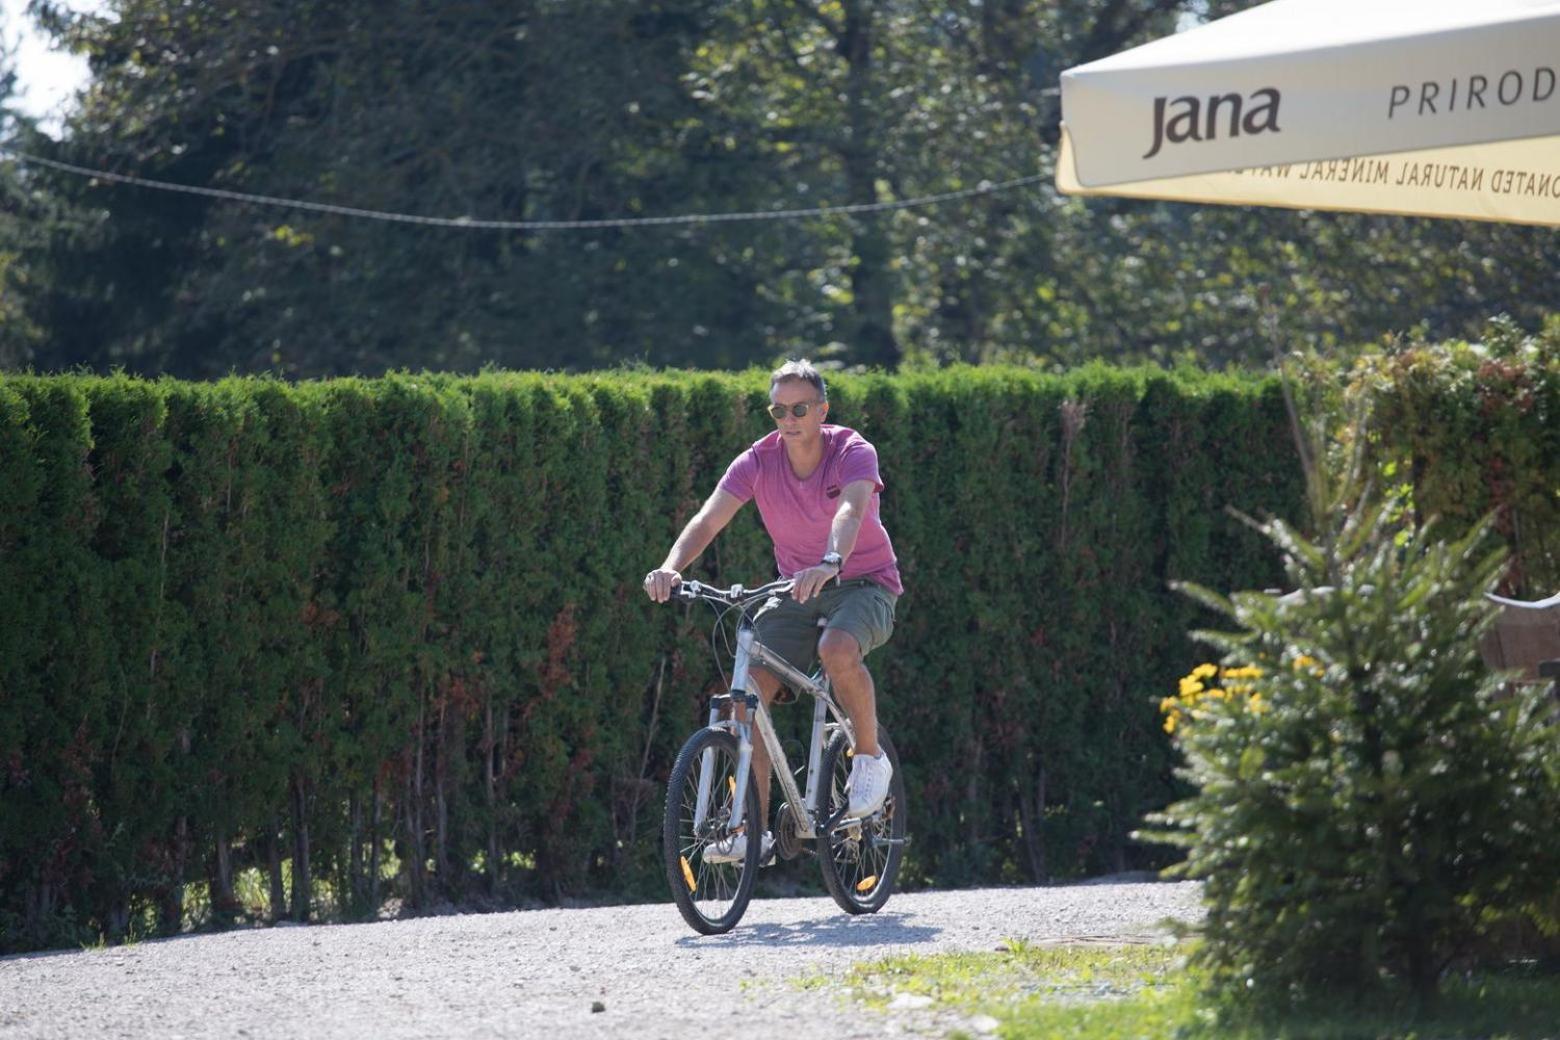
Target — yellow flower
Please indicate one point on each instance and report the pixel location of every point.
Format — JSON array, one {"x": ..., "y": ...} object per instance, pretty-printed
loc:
[{"x": 1205, "y": 671}]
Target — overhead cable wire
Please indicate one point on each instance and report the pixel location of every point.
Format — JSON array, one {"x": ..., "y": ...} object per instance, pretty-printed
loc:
[{"x": 984, "y": 188}]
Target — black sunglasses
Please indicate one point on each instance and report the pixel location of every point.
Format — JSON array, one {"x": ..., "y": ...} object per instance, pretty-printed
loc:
[{"x": 798, "y": 410}]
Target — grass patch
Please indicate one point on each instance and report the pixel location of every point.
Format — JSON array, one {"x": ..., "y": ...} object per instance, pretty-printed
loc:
[
  {"x": 1109, "y": 992},
  {"x": 1020, "y": 971}
]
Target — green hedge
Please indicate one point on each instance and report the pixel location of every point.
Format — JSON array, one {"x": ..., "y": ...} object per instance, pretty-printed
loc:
[{"x": 393, "y": 628}]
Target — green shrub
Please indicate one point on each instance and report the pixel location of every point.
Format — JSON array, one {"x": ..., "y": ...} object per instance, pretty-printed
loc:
[
  {"x": 385, "y": 639},
  {"x": 1369, "y": 800}
]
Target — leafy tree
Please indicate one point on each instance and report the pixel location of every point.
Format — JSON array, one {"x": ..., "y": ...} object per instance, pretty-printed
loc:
[
  {"x": 18, "y": 336},
  {"x": 611, "y": 108},
  {"x": 531, "y": 111},
  {"x": 587, "y": 110}
]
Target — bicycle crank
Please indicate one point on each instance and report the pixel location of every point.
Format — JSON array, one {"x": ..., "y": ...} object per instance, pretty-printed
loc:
[{"x": 788, "y": 841}]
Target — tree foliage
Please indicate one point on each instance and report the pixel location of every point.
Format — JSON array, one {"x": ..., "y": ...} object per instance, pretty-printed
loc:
[{"x": 611, "y": 108}]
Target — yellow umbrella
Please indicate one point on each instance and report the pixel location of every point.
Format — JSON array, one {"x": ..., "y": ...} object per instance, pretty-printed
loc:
[{"x": 1446, "y": 108}]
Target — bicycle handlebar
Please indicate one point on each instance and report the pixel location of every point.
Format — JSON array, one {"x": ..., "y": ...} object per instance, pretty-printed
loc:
[{"x": 694, "y": 590}]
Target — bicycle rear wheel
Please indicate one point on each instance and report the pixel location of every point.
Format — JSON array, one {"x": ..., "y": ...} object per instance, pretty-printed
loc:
[
  {"x": 860, "y": 860},
  {"x": 710, "y": 894}
]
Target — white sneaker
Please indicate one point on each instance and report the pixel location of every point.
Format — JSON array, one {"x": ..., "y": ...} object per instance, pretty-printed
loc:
[
  {"x": 868, "y": 784},
  {"x": 733, "y": 847}
]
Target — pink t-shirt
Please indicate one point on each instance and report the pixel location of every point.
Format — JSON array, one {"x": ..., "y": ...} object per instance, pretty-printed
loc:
[{"x": 798, "y": 513}]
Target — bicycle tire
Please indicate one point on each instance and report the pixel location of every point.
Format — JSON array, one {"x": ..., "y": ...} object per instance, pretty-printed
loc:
[
  {"x": 711, "y": 897},
  {"x": 858, "y": 870}
]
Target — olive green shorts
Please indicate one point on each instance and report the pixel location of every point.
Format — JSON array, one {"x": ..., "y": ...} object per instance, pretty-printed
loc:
[{"x": 860, "y": 607}]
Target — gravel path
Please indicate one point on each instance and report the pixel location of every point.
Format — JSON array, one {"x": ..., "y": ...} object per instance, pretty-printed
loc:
[{"x": 538, "y": 973}]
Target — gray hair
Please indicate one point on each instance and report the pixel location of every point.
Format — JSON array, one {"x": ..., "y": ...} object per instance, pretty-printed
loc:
[{"x": 799, "y": 369}]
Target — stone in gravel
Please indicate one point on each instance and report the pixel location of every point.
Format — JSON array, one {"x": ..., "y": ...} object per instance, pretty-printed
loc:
[
  {"x": 984, "y": 1024},
  {"x": 596, "y": 1007},
  {"x": 909, "y": 1001}
]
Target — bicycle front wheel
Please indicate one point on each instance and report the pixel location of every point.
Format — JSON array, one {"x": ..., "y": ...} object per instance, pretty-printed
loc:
[
  {"x": 860, "y": 860},
  {"x": 710, "y": 869}
]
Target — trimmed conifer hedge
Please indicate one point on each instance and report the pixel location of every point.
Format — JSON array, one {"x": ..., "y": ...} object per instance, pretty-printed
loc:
[{"x": 385, "y": 638}]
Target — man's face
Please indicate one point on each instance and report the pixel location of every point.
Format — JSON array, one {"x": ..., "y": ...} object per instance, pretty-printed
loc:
[{"x": 795, "y": 392}]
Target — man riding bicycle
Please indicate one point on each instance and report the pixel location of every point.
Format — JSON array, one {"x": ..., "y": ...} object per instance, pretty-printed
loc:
[{"x": 817, "y": 489}]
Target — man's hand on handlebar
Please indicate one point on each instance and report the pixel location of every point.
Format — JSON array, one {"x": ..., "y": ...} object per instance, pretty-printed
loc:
[
  {"x": 660, "y": 582},
  {"x": 690, "y": 590}
]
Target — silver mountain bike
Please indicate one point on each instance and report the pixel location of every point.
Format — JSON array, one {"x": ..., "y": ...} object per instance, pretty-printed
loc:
[{"x": 711, "y": 833}]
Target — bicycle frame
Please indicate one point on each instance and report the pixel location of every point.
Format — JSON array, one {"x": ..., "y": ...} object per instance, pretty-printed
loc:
[{"x": 749, "y": 652}]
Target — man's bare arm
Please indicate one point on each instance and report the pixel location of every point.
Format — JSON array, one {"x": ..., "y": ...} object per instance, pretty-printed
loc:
[
  {"x": 848, "y": 516},
  {"x": 696, "y": 536}
]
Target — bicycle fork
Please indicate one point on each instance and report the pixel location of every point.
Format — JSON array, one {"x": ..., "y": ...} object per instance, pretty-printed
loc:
[{"x": 742, "y": 727}]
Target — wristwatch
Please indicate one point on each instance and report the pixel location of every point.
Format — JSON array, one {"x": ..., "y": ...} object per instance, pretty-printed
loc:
[{"x": 834, "y": 560}]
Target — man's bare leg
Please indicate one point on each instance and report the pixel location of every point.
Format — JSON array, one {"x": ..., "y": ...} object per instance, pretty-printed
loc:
[{"x": 841, "y": 656}]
